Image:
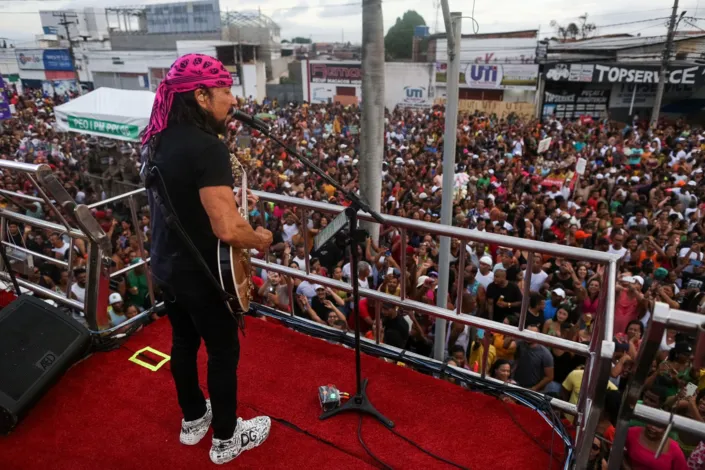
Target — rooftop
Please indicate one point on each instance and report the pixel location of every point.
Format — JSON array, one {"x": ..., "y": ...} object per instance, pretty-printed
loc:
[{"x": 615, "y": 43}]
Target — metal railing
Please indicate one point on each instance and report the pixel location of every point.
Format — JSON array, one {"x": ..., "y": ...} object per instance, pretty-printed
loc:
[
  {"x": 663, "y": 317},
  {"x": 112, "y": 187},
  {"x": 98, "y": 249},
  {"x": 598, "y": 352}
]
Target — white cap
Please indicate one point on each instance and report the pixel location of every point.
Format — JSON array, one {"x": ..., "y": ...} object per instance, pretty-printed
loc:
[
  {"x": 692, "y": 183},
  {"x": 639, "y": 279},
  {"x": 421, "y": 280},
  {"x": 559, "y": 292},
  {"x": 114, "y": 298},
  {"x": 423, "y": 196},
  {"x": 486, "y": 260},
  {"x": 318, "y": 286},
  {"x": 599, "y": 176},
  {"x": 613, "y": 170},
  {"x": 491, "y": 172},
  {"x": 635, "y": 179}
]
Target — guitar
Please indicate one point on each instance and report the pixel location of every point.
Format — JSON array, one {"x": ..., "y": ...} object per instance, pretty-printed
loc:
[{"x": 233, "y": 263}]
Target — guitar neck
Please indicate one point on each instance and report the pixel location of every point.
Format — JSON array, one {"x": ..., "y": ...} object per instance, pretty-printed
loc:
[{"x": 243, "y": 196}]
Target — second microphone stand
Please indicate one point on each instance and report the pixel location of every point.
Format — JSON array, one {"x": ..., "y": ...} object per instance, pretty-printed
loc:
[{"x": 360, "y": 402}]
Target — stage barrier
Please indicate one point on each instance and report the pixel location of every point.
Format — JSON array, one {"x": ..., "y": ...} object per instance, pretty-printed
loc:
[
  {"x": 77, "y": 223},
  {"x": 663, "y": 317}
]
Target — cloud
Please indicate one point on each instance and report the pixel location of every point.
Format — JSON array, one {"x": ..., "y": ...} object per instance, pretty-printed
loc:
[
  {"x": 300, "y": 8},
  {"x": 340, "y": 10}
]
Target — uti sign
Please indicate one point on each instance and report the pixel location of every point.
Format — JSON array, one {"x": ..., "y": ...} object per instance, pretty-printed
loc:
[
  {"x": 414, "y": 97},
  {"x": 483, "y": 76}
]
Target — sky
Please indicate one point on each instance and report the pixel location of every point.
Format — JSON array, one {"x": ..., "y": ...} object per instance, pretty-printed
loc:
[{"x": 336, "y": 20}]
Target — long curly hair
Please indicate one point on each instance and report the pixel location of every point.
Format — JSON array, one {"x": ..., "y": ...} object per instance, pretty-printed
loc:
[{"x": 185, "y": 109}]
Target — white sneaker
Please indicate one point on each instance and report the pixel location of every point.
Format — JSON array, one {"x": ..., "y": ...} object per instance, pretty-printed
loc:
[
  {"x": 248, "y": 435},
  {"x": 193, "y": 431}
]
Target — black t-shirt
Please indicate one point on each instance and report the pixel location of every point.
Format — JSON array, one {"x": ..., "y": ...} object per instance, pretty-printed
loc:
[
  {"x": 510, "y": 292},
  {"x": 396, "y": 331},
  {"x": 534, "y": 320},
  {"x": 321, "y": 310},
  {"x": 188, "y": 159}
]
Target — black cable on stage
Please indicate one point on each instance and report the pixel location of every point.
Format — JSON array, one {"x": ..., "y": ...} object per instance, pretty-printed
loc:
[
  {"x": 296, "y": 428},
  {"x": 428, "y": 452},
  {"x": 531, "y": 436},
  {"x": 369, "y": 452}
]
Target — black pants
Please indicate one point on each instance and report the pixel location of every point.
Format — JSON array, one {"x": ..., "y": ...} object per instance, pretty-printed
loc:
[{"x": 196, "y": 312}]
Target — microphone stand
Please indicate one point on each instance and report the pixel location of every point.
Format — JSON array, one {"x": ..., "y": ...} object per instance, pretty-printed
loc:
[{"x": 359, "y": 403}]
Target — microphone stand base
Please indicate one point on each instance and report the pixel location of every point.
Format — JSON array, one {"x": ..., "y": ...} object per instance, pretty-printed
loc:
[{"x": 361, "y": 404}]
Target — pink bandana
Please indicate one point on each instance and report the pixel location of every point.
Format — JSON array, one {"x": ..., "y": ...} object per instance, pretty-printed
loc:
[{"x": 189, "y": 72}]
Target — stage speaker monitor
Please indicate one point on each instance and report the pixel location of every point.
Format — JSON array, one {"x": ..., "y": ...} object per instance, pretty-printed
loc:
[{"x": 38, "y": 343}]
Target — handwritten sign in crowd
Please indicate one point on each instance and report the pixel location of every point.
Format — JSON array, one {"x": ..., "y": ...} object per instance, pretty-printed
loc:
[{"x": 500, "y": 108}]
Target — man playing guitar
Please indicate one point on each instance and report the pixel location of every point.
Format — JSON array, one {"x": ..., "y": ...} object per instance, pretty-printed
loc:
[{"x": 191, "y": 109}]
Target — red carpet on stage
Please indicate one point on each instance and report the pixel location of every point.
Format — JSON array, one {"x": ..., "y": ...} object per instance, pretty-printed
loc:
[{"x": 110, "y": 413}]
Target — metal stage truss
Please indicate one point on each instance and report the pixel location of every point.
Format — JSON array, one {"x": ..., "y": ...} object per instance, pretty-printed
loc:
[{"x": 77, "y": 223}]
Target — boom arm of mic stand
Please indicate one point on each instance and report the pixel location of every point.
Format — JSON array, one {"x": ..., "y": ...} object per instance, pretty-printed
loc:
[{"x": 349, "y": 195}]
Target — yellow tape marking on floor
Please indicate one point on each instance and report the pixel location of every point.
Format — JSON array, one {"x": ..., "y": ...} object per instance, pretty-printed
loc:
[{"x": 146, "y": 365}]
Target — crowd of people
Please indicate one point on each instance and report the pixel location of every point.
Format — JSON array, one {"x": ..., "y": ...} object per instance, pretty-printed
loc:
[{"x": 640, "y": 196}]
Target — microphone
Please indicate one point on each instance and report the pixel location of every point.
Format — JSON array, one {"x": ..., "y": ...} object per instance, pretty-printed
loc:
[{"x": 251, "y": 121}]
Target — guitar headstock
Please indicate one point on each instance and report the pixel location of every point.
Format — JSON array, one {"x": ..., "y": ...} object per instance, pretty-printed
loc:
[{"x": 244, "y": 155}]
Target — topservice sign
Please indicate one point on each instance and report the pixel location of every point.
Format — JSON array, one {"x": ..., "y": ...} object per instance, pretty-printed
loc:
[
  {"x": 44, "y": 59},
  {"x": 614, "y": 73}
]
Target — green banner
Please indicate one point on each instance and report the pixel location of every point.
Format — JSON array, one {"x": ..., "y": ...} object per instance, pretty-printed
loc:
[{"x": 129, "y": 131}]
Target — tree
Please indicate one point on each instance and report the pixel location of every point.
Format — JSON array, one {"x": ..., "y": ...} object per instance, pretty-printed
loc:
[
  {"x": 300, "y": 40},
  {"x": 574, "y": 31},
  {"x": 398, "y": 40},
  {"x": 586, "y": 28},
  {"x": 285, "y": 41}
]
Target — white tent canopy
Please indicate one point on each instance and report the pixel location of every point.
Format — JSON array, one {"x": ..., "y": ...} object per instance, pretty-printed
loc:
[{"x": 107, "y": 112}]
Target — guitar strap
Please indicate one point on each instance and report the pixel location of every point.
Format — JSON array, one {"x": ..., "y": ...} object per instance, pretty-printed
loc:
[{"x": 151, "y": 175}]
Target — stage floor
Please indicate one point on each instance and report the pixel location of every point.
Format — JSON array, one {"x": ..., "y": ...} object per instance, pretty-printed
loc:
[{"x": 110, "y": 413}]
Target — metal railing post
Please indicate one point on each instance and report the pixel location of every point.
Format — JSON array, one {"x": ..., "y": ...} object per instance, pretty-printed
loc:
[
  {"x": 93, "y": 275},
  {"x": 403, "y": 273},
  {"x": 378, "y": 322},
  {"x": 596, "y": 402},
  {"x": 69, "y": 266},
  {"x": 304, "y": 227},
  {"x": 143, "y": 254},
  {"x": 460, "y": 278},
  {"x": 647, "y": 351},
  {"x": 3, "y": 237},
  {"x": 526, "y": 294},
  {"x": 594, "y": 341}
]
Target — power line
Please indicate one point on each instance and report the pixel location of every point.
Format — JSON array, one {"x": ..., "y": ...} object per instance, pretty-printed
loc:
[{"x": 605, "y": 26}]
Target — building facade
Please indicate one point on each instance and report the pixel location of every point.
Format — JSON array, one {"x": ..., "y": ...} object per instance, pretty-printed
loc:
[
  {"x": 493, "y": 67},
  {"x": 617, "y": 77}
]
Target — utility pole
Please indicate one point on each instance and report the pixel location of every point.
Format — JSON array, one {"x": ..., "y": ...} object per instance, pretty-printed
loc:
[
  {"x": 453, "y": 23},
  {"x": 66, "y": 23},
  {"x": 664, "y": 65},
  {"x": 372, "y": 123}
]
